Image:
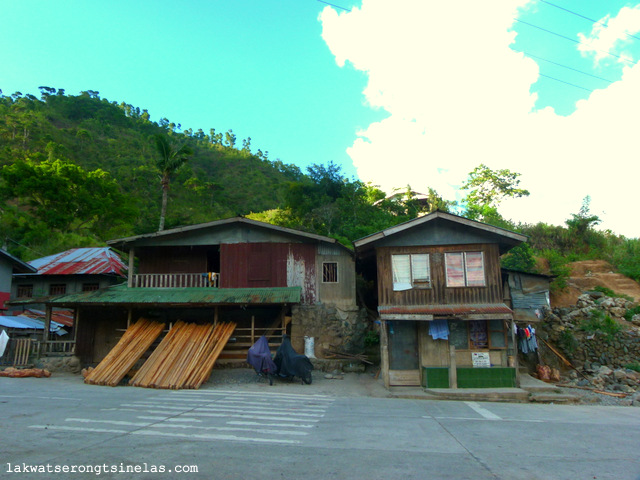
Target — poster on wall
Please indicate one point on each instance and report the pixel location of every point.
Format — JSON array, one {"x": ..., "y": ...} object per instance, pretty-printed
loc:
[{"x": 480, "y": 359}]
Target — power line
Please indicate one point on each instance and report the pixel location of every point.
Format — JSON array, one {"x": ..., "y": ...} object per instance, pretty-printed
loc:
[
  {"x": 572, "y": 40},
  {"x": 333, "y": 5},
  {"x": 586, "y": 18},
  {"x": 567, "y": 83},
  {"x": 566, "y": 66}
]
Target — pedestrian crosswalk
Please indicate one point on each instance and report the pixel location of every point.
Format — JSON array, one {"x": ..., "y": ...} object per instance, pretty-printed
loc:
[{"x": 209, "y": 415}]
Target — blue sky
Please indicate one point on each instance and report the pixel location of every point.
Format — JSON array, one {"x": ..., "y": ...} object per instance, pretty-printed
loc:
[{"x": 410, "y": 92}]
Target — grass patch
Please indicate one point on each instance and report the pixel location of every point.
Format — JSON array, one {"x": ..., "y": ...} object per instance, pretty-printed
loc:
[
  {"x": 633, "y": 366},
  {"x": 598, "y": 322}
]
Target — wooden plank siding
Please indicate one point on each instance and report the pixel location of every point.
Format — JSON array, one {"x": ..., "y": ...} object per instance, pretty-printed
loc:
[
  {"x": 439, "y": 293},
  {"x": 172, "y": 259}
]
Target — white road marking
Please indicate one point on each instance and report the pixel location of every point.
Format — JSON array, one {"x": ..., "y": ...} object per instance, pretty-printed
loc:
[
  {"x": 77, "y": 429},
  {"x": 482, "y": 411},
  {"x": 254, "y": 394},
  {"x": 169, "y": 419},
  {"x": 476, "y": 419},
  {"x": 109, "y": 422},
  {"x": 230, "y": 429},
  {"x": 252, "y": 417},
  {"x": 260, "y": 424},
  {"x": 214, "y": 437}
]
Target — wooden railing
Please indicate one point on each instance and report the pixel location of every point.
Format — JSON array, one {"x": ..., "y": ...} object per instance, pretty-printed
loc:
[
  {"x": 58, "y": 347},
  {"x": 175, "y": 280}
]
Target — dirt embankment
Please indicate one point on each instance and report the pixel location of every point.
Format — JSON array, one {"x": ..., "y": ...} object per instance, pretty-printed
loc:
[{"x": 588, "y": 274}]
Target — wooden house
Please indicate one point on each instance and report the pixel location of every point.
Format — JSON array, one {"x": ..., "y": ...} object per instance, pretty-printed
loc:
[
  {"x": 266, "y": 279},
  {"x": 10, "y": 265},
  {"x": 444, "y": 321},
  {"x": 72, "y": 271}
]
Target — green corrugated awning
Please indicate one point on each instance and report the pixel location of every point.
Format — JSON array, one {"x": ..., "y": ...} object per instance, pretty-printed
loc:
[{"x": 176, "y": 297}]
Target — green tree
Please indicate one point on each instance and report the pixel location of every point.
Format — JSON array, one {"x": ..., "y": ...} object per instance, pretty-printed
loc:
[
  {"x": 487, "y": 189},
  {"x": 170, "y": 159},
  {"x": 64, "y": 196}
]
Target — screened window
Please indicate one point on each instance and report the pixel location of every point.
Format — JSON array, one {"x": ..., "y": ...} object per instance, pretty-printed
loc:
[
  {"x": 477, "y": 334},
  {"x": 497, "y": 334},
  {"x": 90, "y": 287},
  {"x": 25, "y": 291},
  {"x": 411, "y": 271},
  {"x": 330, "y": 272},
  {"x": 465, "y": 269},
  {"x": 57, "y": 289}
]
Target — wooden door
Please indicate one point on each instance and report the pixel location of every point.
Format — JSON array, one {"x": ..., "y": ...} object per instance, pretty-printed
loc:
[{"x": 404, "y": 368}]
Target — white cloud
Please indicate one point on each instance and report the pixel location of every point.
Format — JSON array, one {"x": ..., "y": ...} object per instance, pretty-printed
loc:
[
  {"x": 611, "y": 34},
  {"x": 458, "y": 96}
]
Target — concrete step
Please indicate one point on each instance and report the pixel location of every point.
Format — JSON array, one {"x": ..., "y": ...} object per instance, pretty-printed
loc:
[
  {"x": 515, "y": 395},
  {"x": 553, "y": 398}
]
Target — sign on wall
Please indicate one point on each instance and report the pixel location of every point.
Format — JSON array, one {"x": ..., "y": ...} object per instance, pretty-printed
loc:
[{"x": 480, "y": 359}]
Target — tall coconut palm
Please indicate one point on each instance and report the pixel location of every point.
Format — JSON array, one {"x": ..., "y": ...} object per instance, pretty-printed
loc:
[{"x": 171, "y": 158}]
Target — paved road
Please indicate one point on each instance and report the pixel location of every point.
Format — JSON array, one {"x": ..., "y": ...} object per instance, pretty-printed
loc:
[{"x": 258, "y": 432}]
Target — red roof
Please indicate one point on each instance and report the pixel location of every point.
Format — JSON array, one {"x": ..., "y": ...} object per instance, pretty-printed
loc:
[
  {"x": 65, "y": 317},
  {"x": 446, "y": 310},
  {"x": 86, "y": 261}
]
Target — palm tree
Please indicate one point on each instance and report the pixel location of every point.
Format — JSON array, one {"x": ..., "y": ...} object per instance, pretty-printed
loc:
[{"x": 170, "y": 161}]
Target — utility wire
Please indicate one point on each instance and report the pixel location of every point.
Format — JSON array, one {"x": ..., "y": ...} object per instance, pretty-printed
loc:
[
  {"x": 572, "y": 40},
  {"x": 586, "y": 18},
  {"x": 567, "y": 83},
  {"x": 565, "y": 66},
  {"x": 333, "y": 5}
]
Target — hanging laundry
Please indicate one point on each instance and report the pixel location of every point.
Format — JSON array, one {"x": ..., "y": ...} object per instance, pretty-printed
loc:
[
  {"x": 439, "y": 329},
  {"x": 4, "y": 339}
]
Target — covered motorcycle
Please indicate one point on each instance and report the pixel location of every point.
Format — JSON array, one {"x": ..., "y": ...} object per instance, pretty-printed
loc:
[
  {"x": 290, "y": 363},
  {"x": 259, "y": 357}
]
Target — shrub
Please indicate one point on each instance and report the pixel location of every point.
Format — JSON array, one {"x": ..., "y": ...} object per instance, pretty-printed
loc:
[
  {"x": 633, "y": 366},
  {"x": 567, "y": 341},
  {"x": 371, "y": 338},
  {"x": 628, "y": 315},
  {"x": 598, "y": 322}
]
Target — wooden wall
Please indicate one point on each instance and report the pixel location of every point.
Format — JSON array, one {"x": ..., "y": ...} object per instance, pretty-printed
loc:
[
  {"x": 439, "y": 293},
  {"x": 172, "y": 259}
]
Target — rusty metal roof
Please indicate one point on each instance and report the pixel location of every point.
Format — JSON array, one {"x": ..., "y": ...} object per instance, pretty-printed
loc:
[
  {"x": 64, "y": 317},
  {"x": 81, "y": 261},
  {"x": 447, "y": 310},
  {"x": 177, "y": 297}
]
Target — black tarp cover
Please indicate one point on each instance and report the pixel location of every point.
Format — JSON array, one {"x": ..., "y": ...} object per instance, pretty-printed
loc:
[
  {"x": 292, "y": 364},
  {"x": 259, "y": 357}
]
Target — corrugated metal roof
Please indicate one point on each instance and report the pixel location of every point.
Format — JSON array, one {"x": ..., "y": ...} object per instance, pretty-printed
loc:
[
  {"x": 121, "y": 294},
  {"x": 87, "y": 261},
  {"x": 26, "y": 323},
  {"x": 234, "y": 221},
  {"x": 446, "y": 310},
  {"x": 18, "y": 265},
  {"x": 65, "y": 317}
]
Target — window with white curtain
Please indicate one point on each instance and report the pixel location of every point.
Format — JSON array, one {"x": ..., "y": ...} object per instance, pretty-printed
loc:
[{"x": 411, "y": 271}]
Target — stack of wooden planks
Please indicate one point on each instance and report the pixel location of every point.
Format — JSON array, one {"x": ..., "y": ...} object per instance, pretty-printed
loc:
[
  {"x": 185, "y": 357},
  {"x": 134, "y": 343}
]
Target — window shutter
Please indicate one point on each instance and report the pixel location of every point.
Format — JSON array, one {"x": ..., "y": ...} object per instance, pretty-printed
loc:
[
  {"x": 420, "y": 268},
  {"x": 401, "y": 267}
]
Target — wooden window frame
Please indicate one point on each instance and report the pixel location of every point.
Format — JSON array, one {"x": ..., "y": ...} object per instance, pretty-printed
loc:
[
  {"x": 490, "y": 346},
  {"x": 464, "y": 269},
  {"x": 28, "y": 288},
  {"x": 57, "y": 289},
  {"x": 330, "y": 272},
  {"x": 90, "y": 287},
  {"x": 413, "y": 281}
]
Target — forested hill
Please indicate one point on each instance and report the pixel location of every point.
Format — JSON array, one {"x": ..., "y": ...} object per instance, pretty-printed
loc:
[
  {"x": 219, "y": 180},
  {"x": 76, "y": 170}
]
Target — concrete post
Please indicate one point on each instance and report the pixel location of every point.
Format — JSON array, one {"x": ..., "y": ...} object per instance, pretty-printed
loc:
[{"x": 453, "y": 374}]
